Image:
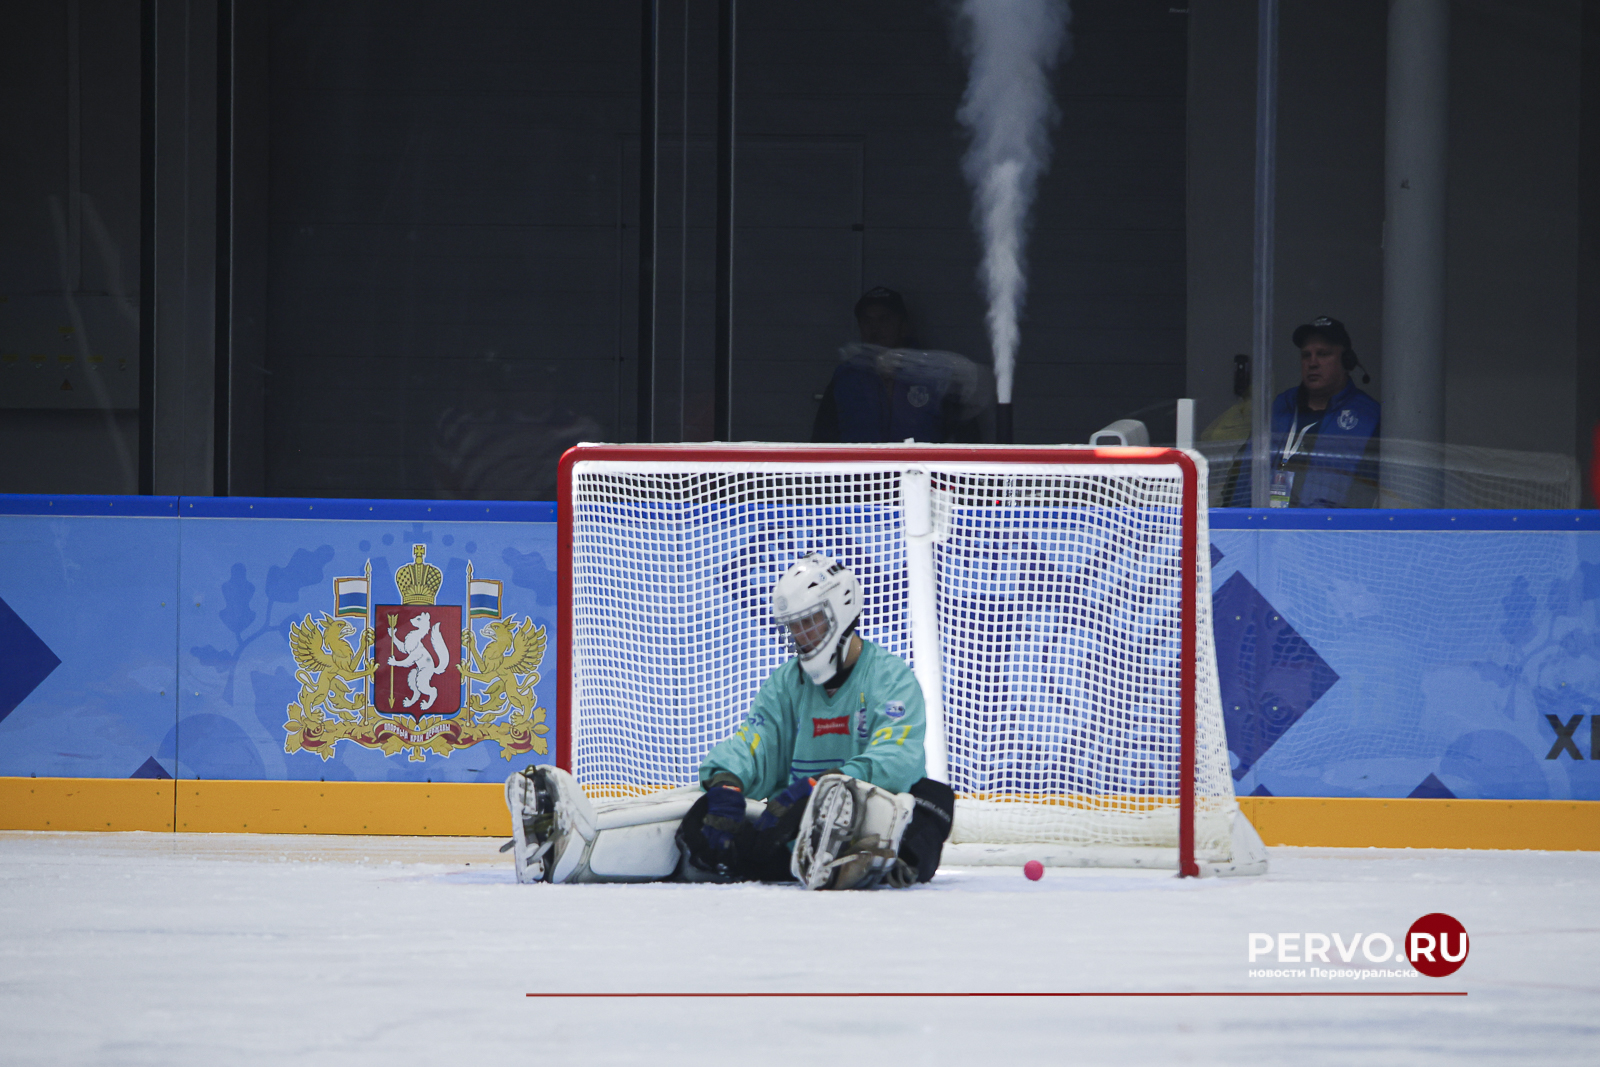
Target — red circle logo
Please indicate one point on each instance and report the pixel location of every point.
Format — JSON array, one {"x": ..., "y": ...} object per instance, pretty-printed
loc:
[{"x": 1436, "y": 945}]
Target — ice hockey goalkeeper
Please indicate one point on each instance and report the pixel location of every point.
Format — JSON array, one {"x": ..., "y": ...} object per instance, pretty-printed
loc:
[{"x": 824, "y": 781}]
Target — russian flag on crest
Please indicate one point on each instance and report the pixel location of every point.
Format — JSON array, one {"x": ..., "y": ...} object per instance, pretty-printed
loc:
[{"x": 351, "y": 595}]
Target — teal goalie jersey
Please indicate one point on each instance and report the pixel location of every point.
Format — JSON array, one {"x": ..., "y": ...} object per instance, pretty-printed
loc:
[{"x": 871, "y": 728}]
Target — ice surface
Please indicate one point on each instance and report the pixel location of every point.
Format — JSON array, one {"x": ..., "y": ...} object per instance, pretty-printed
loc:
[{"x": 230, "y": 949}]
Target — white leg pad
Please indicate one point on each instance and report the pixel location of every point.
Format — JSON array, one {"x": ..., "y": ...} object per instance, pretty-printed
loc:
[
  {"x": 641, "y": 853},
  {"x": 672, "y": 805},
  {"x": 633, "y": 839},
  {"x": 637, "y": 838}
]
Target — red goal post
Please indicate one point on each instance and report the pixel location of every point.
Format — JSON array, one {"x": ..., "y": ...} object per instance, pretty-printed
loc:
[{"x": 1049, "y": 602}]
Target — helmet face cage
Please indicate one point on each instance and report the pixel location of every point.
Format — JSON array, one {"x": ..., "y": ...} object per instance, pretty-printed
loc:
[{"x": 810, "y": 631}]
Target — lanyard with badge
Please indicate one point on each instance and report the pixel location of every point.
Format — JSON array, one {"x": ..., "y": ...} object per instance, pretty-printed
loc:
[{"x": 1283, "y": 478}]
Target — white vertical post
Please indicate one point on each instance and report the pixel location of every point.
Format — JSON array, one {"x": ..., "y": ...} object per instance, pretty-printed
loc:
[
  {"x": 1416, "y": 141},
  {"x": 916, "y": 513},
  {"x": 1185, "y": 434},
  {"x": 1265, "y": 251}
]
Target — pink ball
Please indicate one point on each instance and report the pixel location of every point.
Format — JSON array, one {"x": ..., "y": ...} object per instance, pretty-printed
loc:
[{"x": 1034, "y": 870}]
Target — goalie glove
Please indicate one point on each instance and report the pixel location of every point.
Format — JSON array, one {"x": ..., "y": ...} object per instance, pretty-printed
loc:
[
  {"x": 780, "y": 805},
  {"x": 715, "y": 833},
  {"x": 724, "y": 817}
]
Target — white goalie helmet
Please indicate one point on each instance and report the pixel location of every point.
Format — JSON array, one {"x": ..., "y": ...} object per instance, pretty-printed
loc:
[{"x": 818, "y": 601}]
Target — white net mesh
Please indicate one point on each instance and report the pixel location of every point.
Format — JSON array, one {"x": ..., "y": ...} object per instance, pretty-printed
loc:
[
  {"x": 1059, "y": 610},
  {"x": 672, "y": 568}
]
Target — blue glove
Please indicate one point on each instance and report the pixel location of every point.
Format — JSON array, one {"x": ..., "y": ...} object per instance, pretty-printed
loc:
[
  {"x": 724, "y": 816},
  {"x": 796, "y": 795}
]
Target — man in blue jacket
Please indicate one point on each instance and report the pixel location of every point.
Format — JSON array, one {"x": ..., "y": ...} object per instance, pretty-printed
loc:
[
  {"x": 1324, "y": 430},
  {"x": 885, "y": 389}
]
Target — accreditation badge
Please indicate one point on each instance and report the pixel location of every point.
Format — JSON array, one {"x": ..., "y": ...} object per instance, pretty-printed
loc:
[{"x": 1282, "y": 486}]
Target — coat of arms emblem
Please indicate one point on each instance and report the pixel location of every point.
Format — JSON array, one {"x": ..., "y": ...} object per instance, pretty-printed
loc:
[
  {"x": 412, "y": 648},
  {"x": 416, "y": 680}
]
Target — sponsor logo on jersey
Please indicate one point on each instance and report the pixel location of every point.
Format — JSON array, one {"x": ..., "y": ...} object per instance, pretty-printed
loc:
[
  {"x": 894, "y": 709},
  {"x": 839, "y": 724},
  {"x": 863, "y": 729}
]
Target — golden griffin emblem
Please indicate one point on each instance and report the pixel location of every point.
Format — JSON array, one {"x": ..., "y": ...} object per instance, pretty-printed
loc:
[{"x": 407, "y": 683}]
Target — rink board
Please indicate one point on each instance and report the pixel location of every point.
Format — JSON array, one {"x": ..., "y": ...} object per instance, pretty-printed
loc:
[
  {"x": 1441, "y": 655},
  {"x": 452, "y": 810},
  {"x": 161, "y": 643},
  {"x": 1395, "y": 654}
]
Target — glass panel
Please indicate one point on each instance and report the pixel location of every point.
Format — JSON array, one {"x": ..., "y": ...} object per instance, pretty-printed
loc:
[
  {"x": 1427, "y": 342},
  {"x": 69, "y": 259},
  {"x": 449, "y": 230},
  {"x": 850, "y": 178},
  {"x": 435, "y": 225}
]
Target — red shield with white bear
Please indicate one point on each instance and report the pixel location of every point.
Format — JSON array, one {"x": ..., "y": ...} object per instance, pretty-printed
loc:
[{"x": 418, "y": 651}]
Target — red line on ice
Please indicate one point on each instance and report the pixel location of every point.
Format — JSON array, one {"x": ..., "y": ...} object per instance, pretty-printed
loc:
[{"x": 1307, "y": 993}]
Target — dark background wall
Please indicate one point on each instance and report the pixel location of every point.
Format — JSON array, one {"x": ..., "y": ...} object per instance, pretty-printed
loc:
[
  {"x": 444, "y": 223},
  {"x": 453, "y": 246},
  {"x": 433, "y": 215},
  {"x": 69, "y": 248},
  {"x": 1103, "y": 329},
  {"x": 1512, "y": 273}
]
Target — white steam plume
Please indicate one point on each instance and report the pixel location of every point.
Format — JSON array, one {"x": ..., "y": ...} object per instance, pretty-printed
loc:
[{"x": 1012, "y": 46}]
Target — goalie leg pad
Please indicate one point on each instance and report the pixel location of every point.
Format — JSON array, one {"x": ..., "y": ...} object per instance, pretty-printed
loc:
[
  {"x": 850, "y": 834},
  {"x": 559, "y": 835},
  {"x": 645, "y": 852},
  {"x": 634, "y": 839},
  {"x": 552, "y": 824}
]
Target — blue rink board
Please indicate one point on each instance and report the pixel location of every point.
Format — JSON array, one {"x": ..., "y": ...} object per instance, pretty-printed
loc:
[
  {"x": 1413, "y": 662},
  {"x": 1380, "y": 654},
  {"x": 173, "y": 633}
]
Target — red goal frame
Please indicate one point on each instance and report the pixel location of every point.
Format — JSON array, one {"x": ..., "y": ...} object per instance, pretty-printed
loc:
[{"x": 912, "y": 453}]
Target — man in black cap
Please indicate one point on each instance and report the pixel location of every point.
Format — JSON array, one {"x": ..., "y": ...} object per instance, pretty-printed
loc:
[
  {"x": 885, "y": 390},
  {"x": 1324, "y": 430}
]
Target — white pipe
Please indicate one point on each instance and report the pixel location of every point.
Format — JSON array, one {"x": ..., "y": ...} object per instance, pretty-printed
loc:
[
  {"x": 1416, "y": 142},
  {"x": 1122, "y": 432},
  {"x": 1265, "y": 245},
  {"x": 1185, "y": 435},
  {"x": 916, "y": 510}
]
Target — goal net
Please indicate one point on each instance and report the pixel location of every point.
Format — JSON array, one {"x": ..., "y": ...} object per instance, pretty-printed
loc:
[{"x": 1053, "y": 602}]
